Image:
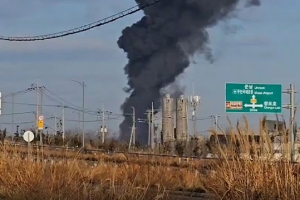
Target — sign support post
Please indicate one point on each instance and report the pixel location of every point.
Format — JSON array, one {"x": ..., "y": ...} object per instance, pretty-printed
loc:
[
  {"x": 28, "y": 136},
  {"x": 292, "y": 107},
  {"x": 40, "y": 129}
]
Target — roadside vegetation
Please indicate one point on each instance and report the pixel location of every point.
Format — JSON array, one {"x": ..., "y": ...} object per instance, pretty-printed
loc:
[
  {"x": 74, "y": 179},
  {"x": 244, "y": 169}
]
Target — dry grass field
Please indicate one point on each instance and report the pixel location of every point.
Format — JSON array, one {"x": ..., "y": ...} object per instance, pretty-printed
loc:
[
  {"x": 122, "y": 177},
  {"x": 116, "y": 158},
  {"x": 74, "y": 179},
  {"x": 256, "y": 178}
]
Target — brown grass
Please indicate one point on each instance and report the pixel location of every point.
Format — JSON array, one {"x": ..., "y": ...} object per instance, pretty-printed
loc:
[
  {"x": 75, "y": 179},
  {"x": 125, "y": 177},
  {"x": 253, "y": 179},
  {"x": 101, "y": 157}
]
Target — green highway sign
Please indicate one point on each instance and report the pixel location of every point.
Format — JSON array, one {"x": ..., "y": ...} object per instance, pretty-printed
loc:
[{"x": 253, "y": 98}]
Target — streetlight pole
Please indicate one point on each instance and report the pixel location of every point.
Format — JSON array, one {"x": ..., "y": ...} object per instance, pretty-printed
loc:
[{"x": 82, "y": 85}]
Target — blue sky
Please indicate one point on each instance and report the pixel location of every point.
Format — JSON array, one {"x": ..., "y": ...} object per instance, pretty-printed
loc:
[{"x": 263, "y": 49}]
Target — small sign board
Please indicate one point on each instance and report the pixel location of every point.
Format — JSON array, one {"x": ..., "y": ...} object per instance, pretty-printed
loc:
[
  {"x": 253, "y": 98},
  {"x": 41, "y": 122},
  {"x": 28, "y": 136},
  {"x": 41, "y": 117}
]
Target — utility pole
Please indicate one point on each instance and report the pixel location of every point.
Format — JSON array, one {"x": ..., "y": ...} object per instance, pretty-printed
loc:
[
  {"x": 103, "y": 128},
  {"x": 83, "y": 110},
  {"x": 37, "y": 107},
  {"x": 78, "y": 128},
  {"x": 63, "y": 124},
  {"x": 291, "y": 106},
  {"x": 41, "y": 112},
  {"x": 132, "y": 135},
  {"x": 216, "y": 124},
  {"x": 55, "y": 125},
  {"x": 133, "y": 126},
  {"x": 41, "y": 106},
  {"x": 78, "y": 123},
  {"x": 12, "y": 116},
  {"x": 152, "y": 126},
  {"x": 149, "y": 126}
]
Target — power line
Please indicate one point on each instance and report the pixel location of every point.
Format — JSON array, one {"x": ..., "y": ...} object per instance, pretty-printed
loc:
[
  {"x": 66, "y": 102},
  {"x": 61, "y": 102},
  {"x": 61, "y": 98},
  {"x": 69, "y": 120},
  {"x": 49, "y": 127},
  {"x": 205, "y": 118},
  {"x": 48, "y": 96},
  {"x": 49, "y": 105},
  {"x": 31, "y": 104},
  {"x": 18, "y": 123},
  {"x": 20, "y": 113},
  {"x": 83, "y": 28},
  {"x": 73, "y": 106},
  {"x": 94, "y": 113},
  {"x": 18, "y": 93},
  {"x": 74, "y": 120}
]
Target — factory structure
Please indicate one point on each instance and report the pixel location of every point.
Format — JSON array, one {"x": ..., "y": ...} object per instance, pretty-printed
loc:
[{"x": 175, "y": 118}]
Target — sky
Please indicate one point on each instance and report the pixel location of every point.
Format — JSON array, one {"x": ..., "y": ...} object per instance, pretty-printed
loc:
[{"x": 259, "y": 45}]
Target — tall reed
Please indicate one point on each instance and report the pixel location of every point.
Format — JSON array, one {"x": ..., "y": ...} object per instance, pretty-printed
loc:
[{"x": 246, "y": 170}]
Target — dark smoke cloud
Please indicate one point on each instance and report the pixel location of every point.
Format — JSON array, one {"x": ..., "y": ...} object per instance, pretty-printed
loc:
[
  {"x": 253, "y": 3},
  {"x": 159, "y": 46},
  {"x": 174, "y": 89}
]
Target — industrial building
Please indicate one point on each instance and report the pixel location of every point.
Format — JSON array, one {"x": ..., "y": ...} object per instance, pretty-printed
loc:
[
  {"x": 182, "y": 119},
  {"x": 174, "y": 128},
  {"x": 168, "y": 105}
]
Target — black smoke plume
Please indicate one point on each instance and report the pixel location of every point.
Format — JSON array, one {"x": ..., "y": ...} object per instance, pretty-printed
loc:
[
  {"x": 158, "y": 48},
  {"x": 174, "y": 90}
]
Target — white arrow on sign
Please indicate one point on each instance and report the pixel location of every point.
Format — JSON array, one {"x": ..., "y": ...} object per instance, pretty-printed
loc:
[
  {"x": 41, "y": 117},
  {"x": 253, "y": 105}
]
